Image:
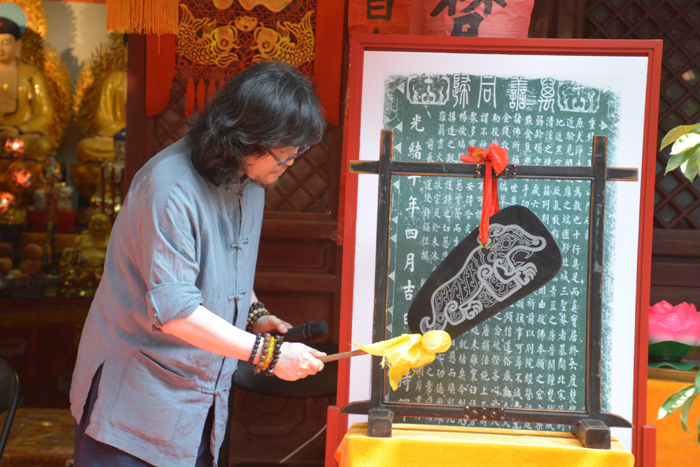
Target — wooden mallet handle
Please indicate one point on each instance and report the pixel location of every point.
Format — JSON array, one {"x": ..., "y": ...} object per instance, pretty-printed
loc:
[{"x": 341, "y": 355}]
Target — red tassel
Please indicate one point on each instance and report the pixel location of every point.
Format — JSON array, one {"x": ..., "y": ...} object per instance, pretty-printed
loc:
[
  {"x": 143, "y": 16},
  {"x": 495, "y": 158}
]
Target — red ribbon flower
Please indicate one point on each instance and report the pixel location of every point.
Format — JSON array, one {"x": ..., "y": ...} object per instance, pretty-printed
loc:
[{"x": 496, "y": 158}]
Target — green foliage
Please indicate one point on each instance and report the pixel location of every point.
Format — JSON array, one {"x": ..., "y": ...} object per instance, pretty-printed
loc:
[
  {"x": 685, "y": 152},
  {"x": 683, "y": 399}
]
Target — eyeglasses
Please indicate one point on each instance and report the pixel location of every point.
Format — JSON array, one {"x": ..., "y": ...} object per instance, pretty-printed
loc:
[{"x": 299, "y": 152}]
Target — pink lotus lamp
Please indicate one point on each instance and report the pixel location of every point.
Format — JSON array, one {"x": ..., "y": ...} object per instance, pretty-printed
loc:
[{"x": 674, "y": 332}]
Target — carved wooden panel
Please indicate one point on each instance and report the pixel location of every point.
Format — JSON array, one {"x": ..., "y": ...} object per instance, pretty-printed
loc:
[
  {"x": 268, "y": 428},
  {"x": 554, "y": 18},
  {"x": 675, "y": 252},
  {"x": 675, "y": 272},
  {"x": 677, "y": 22}
]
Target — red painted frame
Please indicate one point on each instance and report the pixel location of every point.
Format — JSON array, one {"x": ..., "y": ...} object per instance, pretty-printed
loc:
[{"x": 652, "y": 49}]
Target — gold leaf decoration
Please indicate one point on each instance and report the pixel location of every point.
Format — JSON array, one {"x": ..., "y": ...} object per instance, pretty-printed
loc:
[
  {"x": 106, "y": 58},
  {"x": 272, "y": 5},
  {"x": 202, "y": 42},
  {"x": 292, "y": 43},
  {"x": 36, "y": 15},
  {"x": 56, "y": 71}
]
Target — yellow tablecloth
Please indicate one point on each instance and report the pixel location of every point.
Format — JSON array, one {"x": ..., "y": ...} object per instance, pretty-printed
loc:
[
  {"x": 431, "y": 445},
  {"x": 674, "y": 448}
]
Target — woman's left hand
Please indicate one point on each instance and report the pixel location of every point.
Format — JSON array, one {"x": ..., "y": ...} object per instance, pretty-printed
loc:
[{"x": 272, "y": 324}]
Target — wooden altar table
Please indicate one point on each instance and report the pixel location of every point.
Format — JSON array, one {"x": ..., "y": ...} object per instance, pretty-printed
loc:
[{"x": 414, "y": 445}]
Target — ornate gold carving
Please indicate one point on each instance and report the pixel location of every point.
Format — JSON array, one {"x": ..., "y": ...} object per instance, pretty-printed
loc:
[
  {"x": 246, "y": 23},
  {"x": 222, "y": 4},
  {"x": 291, "y": 43},
  {"x": 36, "y": 15},
  {"x": 59, "y": 79},
  {"x": 201, "y": 41},
  {"x": 272, "y": 5}
]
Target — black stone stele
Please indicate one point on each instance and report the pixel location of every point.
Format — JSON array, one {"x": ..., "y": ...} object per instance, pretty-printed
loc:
[{"x": 475, "y": 282}]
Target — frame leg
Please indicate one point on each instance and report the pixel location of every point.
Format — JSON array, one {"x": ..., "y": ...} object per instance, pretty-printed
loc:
[
  {"x": 593, "y": 434},
  {"x": 379, "y": 423}
]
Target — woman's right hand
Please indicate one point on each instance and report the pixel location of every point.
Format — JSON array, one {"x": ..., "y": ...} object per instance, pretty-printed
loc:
[{"x": 297, "y": 361}]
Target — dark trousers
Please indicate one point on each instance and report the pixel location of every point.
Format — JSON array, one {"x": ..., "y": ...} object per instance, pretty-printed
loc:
[{"x": 88, "y": 452}]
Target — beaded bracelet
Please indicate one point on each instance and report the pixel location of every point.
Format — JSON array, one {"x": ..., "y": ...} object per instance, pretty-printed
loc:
[
  {"x": 266, "y": 348},
  {"x": 257, "y": 310},
  {"x": 258, "y": 338},
  {"x": 275, "y": 356},
  {"x": 270, "y": 353},
  {"x": 253, "y": 316},
  {"x": 261, "y": 360}
]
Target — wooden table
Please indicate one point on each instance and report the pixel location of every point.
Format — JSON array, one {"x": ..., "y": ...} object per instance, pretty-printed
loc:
[{"x": 40, "y": 438}]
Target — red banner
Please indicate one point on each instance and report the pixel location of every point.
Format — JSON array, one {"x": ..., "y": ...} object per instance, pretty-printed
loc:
[
  {"x": 218, "y": 39},
  {"x": 466, "y": 18}
]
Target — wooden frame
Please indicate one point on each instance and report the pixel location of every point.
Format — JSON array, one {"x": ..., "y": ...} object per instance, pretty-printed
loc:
[{"x": 641, "y": 141}]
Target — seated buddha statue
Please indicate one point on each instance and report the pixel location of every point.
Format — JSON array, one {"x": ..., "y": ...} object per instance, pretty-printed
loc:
[
  {"x": 81, "y": 263},
  {"x": 26, "y": 109},
  {"x": 99, "y": 101},
  {"x": 92, "y": 242},
  {"x": 110, "y": 118},
  {"x": 26, "y": 114}
]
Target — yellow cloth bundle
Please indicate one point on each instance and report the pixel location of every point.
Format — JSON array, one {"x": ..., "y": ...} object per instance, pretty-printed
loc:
[{"x": 408, "y": 352}]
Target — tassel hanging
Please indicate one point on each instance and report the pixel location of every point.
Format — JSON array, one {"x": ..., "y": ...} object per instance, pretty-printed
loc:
[
  {"x": 143, "y": 16},
  {"x": 496, "y": 158}
]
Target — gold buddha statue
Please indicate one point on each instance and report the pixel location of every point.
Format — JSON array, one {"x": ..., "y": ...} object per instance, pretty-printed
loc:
[
  {"x": 99, "y": 103},
  {"x": 30, "y": 125},
  {"x": 26, "y": 109},
  {"x": 92, "y": 242},
  {"x": 81, "y": 264},
  {"x": 110, "y": 118}
]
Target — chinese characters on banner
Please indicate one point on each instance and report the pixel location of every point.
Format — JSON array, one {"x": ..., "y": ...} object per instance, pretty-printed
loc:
[{"x": 460, "y": 18}]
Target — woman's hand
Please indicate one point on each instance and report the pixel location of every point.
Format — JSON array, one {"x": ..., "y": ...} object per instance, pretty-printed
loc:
[
  {"x": 271, "y": 324},
  {"x": 297, "y": 361}
]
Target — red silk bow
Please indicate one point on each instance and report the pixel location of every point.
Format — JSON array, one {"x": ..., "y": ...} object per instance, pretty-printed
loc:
[{"x": 496, "y": 158}]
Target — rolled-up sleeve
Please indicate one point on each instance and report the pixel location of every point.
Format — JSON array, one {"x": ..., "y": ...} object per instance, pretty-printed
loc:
[
  {"x": 167, "y": 302},
  {"x": 170, "y": 265}
]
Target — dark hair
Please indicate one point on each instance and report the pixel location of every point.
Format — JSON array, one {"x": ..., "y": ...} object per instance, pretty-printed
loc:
[
  {"x": 268, "y": 105},
  {"x": 7, "y": 26}
]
